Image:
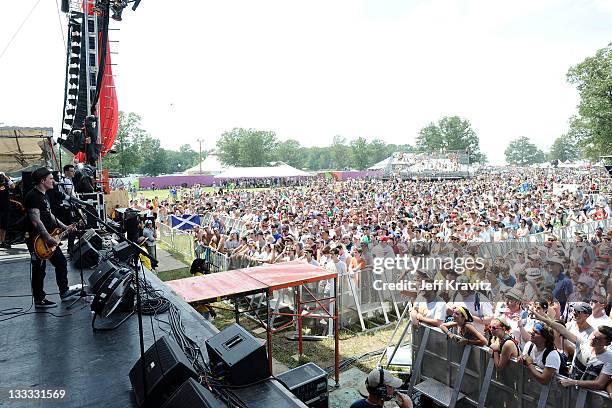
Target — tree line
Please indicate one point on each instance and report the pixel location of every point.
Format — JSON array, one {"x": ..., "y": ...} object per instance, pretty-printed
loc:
[
  {"x": 589, "y": 136},
  {"x": 590, "y": 129}
]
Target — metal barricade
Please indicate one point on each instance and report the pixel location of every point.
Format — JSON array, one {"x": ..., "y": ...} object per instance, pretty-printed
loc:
[
  {"x": 177, "y": 240},
  {"x": 454, "y": 373},
  {"x": 362, "y": 300}
]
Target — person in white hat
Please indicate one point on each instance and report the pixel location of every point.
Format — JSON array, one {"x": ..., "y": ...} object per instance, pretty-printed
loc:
[{"x": 382, "y": 386}]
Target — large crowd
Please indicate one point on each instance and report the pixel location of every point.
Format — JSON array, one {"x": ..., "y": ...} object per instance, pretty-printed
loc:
[{"x": 548, "y": 303}]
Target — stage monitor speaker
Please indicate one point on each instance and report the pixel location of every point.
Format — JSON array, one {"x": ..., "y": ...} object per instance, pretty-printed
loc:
[
  {"x": 86, "y": 256},
  {"x": 89, "y": 236},
  {"x": 237, "y": 355},
  {"x": 166, "y": 368},
  {"x": 123, "y": 251},
  {"x": 267, "y": 394},
  {"x": 308, "y": 382},
  {"x": 97, "y": 279},
  {"x": 193, "y": 394}
]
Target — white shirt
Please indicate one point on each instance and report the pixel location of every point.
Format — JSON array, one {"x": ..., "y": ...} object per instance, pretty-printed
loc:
[
  {"x": 553, "y": 360},
  {"x": 486, "y": 309},
  {"x": 595, "y": 322},
  {"x": 584, "y": 352},
  {"x": 436, "y": 309}
]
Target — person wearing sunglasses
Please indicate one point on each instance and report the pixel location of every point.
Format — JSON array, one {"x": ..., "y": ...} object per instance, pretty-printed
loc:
[
  {"x": 592, "y": 364},
  {"x": 503, "y": 346},
  {"x": 577, "y": 331},
  {"x": 540, "y": 355},
  {"x": 598, "y": 303}
]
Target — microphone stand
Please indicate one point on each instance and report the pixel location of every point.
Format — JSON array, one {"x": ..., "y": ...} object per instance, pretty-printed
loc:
[
  {"x": 139, "y": 251},
  {"x": 82, "y": 293}
]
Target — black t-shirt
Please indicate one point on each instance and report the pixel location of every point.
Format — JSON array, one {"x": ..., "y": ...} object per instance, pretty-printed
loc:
[
  {"x": 4, "y": 193},
  {"x": 362, "y": 403},
  {"x": 36, "y": 199}
]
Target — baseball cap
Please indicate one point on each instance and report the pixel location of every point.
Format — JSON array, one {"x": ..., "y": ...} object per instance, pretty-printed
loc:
[
  {"x": 583, "y": 307},
  {"x": 373, "y": 379}
]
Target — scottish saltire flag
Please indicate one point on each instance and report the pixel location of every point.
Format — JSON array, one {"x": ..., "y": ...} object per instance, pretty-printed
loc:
[{"x": 185, "y": 221}]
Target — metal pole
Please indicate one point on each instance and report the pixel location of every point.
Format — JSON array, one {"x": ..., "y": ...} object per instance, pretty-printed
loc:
[
  {"x": 200, "y": 155},
  {"x": 268, "y": 331},
  {"x": 299, "y": 319},
  {"x": 336, "y": 335}
]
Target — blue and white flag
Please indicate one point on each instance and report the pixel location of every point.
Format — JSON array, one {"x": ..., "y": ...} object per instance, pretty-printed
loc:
[{"x": 185, "y": 221}]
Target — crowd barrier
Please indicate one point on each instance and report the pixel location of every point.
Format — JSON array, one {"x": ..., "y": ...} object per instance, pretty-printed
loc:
[
  {"x": 180, "y": 241},
  {"x": 454, "y": 375},
  {"x": 565, "y": 234},
  {"x": 231, "y": 224}
]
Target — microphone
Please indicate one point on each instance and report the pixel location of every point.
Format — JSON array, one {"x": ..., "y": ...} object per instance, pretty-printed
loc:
[{"x": 78, "y": 201}]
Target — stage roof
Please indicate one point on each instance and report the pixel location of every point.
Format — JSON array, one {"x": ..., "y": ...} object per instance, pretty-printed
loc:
[
  {"x": 242, "y": 282},
  {"x": 22, "y": 147}
]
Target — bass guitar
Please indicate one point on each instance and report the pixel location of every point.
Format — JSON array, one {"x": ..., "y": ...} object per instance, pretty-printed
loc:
[{"x": 44, "y": 251}]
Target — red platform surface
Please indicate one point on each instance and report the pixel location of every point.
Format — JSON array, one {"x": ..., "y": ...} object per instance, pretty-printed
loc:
[{"x": 241, "y": 282}]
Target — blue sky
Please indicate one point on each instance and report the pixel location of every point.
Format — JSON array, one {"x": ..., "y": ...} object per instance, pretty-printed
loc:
[{"x": 312, "y": 70}]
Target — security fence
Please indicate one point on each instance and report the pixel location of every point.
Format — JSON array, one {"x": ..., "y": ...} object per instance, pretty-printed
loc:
[
  {"x": 455, "y": 375},
  {"x": 563, "y": 234},
  {"x": 231, "y": 224},
  {"x": 180, "y": 241}
]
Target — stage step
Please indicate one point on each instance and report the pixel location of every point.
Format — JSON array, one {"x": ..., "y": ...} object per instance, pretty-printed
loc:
[{"x": 440, "y": 393}]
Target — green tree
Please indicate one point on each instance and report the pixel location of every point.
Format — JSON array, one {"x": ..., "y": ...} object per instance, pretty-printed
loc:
[
  {"x": 127, "y": 158},
  {"x": 378, "y": 150},
  {"x": 155, "y": 159},
  {"x": 564, "y": 148},
  {"x": 359, "y": 153},
  {"x": 339, "y": 152},
  {"x": 451, "y": 133},
  {"x": 521, "y": 152},
  {"x": 291, "y": 153},
  {"x": 247, "y": 147},
  {"x": 593, "y": 123}
]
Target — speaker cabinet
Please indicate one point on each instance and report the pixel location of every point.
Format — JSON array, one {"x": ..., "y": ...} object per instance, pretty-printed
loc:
[
  {"x": 308, "y": 382},
  {"x": 89, "y": 236},
  {"x": 124, "y": 251},
  {"x": 97, "y": 279},
  {"x": 86, "y": 256},
  {"x": 237, "y": 355},
  {"x": 166, "y": 368},
  {"x": 193, "y": 394}
]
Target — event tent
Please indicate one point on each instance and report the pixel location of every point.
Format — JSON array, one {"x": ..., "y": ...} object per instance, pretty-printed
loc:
[
  {"x": 23, "y": 147},
  {"x": 279, "y": 169},
  {"x": 210, "y": 165}
]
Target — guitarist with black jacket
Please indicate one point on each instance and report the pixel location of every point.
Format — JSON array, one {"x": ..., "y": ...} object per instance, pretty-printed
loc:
[{"x": 41, "y": 222}]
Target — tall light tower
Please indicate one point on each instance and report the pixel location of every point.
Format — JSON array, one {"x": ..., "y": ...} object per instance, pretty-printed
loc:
[{"x": 200, "y": 156}]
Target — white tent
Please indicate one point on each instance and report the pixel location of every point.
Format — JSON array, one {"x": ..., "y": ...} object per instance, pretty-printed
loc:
[
  {"x": 210, "y": 165},
  {"x": 279, "y": 169}
]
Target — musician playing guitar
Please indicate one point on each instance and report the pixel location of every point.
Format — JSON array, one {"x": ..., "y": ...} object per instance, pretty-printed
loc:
[{"x": 41, "y": 222}]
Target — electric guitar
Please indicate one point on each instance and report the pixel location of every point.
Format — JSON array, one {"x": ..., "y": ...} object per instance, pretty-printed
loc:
[{"x": 44, "y": 251}]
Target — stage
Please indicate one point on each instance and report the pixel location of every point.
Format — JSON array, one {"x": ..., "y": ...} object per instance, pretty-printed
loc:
[{"x": 41, "y": 352}]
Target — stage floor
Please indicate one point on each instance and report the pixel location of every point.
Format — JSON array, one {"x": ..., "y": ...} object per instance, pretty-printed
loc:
[{"x": 41, "y": 352}]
